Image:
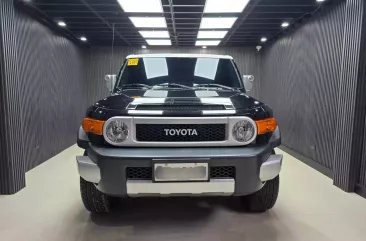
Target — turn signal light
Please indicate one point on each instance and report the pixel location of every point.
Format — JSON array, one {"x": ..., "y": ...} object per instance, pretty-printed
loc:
[
  {"x": 266, "y": 125},
  {"x": 93, "y": 126}
]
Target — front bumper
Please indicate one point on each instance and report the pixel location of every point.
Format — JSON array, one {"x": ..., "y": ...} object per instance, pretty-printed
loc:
[{"x": 106, "y": 167}]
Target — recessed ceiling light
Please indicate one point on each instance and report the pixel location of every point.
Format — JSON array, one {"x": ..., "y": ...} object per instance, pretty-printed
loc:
[
  {"x": 217, "y": 23},
  {"x": 141, "y": 6},
  {"x": 83, "y": 39},
  {"x": 154, "y": 34},
  {"x": 61, "y": 23},
  {"x": 285, "y": 25},
  {"x": 158, "y": 42},
  {"x": 207, "y": 42},
  {"x": 143, "y": 46},
  {"x": 227, "y": 6},
  {"x": 263, "y": 39},
  {"x": 204, "y": 47},
  {"x": 148, "y": 22},
  {"x": 211, "y": 34},
  {"x": 320, "y": 0}
]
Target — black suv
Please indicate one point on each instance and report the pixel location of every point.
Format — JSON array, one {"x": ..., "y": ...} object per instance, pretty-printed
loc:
[{"x": 179, "y": 125}]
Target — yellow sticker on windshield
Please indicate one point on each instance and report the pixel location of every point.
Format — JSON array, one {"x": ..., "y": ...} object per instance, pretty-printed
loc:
[{"x": 133, "y": 62}]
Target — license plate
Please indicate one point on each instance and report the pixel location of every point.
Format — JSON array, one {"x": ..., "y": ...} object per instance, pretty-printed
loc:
[{"x": 179, "y": 172}]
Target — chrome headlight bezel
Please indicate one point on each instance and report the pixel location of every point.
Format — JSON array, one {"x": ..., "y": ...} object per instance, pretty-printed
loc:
[
  {"x": 249, "y": 121},
  {"x": 126, "y": 128}
]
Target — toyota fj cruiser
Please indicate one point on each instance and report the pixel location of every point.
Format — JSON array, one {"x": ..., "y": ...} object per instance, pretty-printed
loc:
[{"x": 179, "y": 124}]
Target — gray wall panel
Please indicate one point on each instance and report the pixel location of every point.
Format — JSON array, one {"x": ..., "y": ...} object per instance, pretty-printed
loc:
[
  {"x": 362, "y": 76},
  {"x": 300, "y": 81},
  {"x": 12, "y": 177},
  {"x": 100, "y": 61},
  {"x": 53, "y": 90},
  {"x": 314, "y": 78},
  {"x": 362, "y": 176},
  {"x": 44, "y": 94},
  {"x": 347, "y": 151}
]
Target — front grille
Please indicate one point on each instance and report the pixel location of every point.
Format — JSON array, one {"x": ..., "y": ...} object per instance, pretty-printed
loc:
[
  {"x": 157, "y": 132},
  {"x": 180, "y": 107},
  {"x": 145, "y": 173}
]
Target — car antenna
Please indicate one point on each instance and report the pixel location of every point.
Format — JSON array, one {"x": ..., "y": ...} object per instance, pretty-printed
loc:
[{"x": 112, "y": 56}]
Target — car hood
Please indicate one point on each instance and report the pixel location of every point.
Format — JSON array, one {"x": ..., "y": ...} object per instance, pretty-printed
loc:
[{"x": 235, "y": 99}]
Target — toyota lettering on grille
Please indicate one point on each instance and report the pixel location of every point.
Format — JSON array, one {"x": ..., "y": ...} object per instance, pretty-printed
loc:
[{"x": 180, "y": 132}]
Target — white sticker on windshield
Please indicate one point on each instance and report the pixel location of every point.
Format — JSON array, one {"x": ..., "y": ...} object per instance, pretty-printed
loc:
[
  {"x": 206, "y": 68},
  {"x": 155, "y": 67}
]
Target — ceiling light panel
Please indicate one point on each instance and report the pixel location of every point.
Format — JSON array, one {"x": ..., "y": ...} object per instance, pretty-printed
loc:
[
  {"x": 148, "y": 22},
  {"x": 154, "y": 34},
  {"x": 207, "y": 42},
  {"x": 141, "y": 6},
  {"x": 217, "y": 23},
  {"x": 227, "y": 6},
  {"x": 158, "y": 42},
  {"x": 211, "y": 34}
]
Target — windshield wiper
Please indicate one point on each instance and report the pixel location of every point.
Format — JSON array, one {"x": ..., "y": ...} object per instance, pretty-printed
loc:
[
  {"x": 215, "y": 85},
  {"x": 173, "y": 85},
  {"x": 136, "y": 85}
]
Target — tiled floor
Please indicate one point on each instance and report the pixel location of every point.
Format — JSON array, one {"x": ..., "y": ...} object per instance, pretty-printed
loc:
[{"x": 309, "y": 208}]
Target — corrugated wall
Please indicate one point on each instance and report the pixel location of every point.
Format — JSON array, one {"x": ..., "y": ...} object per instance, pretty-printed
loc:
[
  {"x": 44, "y": 94},
  {"x": 12, "y": 164},
  {"x": 362, "y": 176},
  {"x": 53, "y": 90},
  {"x": 362, "y": 73},
  {"x": 300, "y": 81},
  {"x": 314, "y": 79},
  {"x": 101, "y": 61},
  {"x": 351, "y": 101}
]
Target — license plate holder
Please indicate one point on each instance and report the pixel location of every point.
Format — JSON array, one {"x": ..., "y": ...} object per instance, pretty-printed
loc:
[{"x": 180, "y": 172}]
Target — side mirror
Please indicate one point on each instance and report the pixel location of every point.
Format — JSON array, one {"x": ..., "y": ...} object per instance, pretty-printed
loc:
[
  {"x": 110, "y": 81},
  {"x": 248, "y": 82}
]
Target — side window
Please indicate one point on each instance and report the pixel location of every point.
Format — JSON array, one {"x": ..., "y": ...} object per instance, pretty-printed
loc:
[
  {"x": 238, "y": 73},
  {"x": 227, "y": 75}
]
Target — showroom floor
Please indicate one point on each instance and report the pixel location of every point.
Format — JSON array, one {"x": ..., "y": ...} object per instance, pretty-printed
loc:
[{"x": 309, "y": 208}]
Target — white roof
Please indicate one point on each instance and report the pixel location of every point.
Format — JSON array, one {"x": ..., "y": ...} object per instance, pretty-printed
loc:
[{"x": 214, "y": 56}]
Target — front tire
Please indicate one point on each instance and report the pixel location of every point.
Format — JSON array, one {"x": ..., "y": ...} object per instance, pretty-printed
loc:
[
  {"x": 263, "y": 199},
  {"x": 94, "y": 200}
]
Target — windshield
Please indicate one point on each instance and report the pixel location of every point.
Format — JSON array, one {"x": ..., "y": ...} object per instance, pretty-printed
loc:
[{"x": 173, "y": 72}]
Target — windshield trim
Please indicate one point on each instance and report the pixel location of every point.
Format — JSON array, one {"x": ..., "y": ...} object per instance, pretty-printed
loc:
[
  {"x": 119, "y": 76},
  {"x": 238, "y": 75},
  {"x": 242, "y": 88}
]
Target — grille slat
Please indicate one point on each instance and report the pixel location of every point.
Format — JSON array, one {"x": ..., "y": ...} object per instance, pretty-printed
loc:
[
  {"x": 180, "y": 107},
  {"x": 157, "y": 133},
  {"x": 145, "y": 173}
]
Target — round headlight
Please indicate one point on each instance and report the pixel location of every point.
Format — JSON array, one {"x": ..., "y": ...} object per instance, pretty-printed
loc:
[
  {"x": 116, "y": 131},
  {"x": 244, "y": 131}
]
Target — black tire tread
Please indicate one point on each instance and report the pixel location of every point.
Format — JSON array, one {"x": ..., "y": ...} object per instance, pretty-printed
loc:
[
  {"x": 93, "y": 199},
  {"x": 263, "y": 199}
]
